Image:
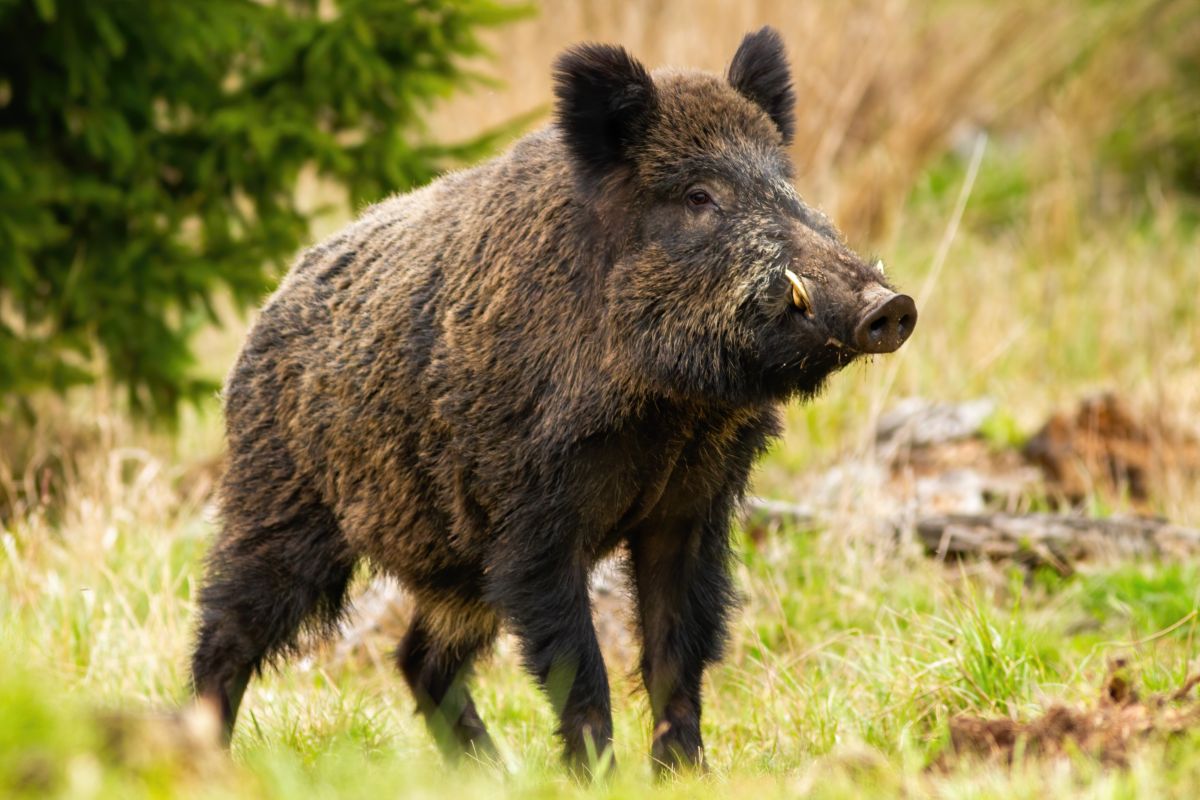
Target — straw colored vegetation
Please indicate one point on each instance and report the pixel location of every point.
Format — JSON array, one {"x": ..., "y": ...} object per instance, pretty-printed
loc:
[{"x": 971, "y": 146}]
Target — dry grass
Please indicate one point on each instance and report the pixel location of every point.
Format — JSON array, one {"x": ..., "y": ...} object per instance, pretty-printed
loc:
[{"x": 884, "y": 86}]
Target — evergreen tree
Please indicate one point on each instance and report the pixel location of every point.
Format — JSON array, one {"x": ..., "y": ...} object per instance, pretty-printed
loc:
[{"x": 149, "y": 151}]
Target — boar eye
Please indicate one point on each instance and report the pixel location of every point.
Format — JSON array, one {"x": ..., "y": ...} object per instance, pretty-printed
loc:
[{"x": 698, "y": 198}]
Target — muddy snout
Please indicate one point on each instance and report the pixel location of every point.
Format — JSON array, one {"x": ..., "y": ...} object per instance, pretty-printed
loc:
[{"x": 886, "y": 324}]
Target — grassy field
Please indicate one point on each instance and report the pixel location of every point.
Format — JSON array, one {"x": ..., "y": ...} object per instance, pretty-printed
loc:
[
  {"x": 1037, "y": 282},
  {"x": 846, "y": 662}
]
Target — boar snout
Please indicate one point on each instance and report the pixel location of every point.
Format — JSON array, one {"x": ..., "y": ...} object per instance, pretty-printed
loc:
[{"x": 887, "y": 323}]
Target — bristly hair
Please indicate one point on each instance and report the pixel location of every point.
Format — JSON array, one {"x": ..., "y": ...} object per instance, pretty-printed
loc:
[
  {"x": 606, "y": 101},
  {"x": 759, "y": 71}
]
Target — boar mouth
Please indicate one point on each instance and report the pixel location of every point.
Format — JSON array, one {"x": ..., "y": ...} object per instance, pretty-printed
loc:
[
  {"x": 802, "y": 301},
  {"x": 799, "y": 296},
  {"x": 837, "y": 343}
]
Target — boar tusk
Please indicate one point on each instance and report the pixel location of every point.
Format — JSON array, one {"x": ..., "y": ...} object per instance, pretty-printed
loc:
[
  {"x": 880, "y": 269},
  {"x": 800, "y": 298}
]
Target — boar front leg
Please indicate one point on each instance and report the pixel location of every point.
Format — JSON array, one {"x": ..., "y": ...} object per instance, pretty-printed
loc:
[
  {"x": 684, "y": 591},
  {"x": 541, "y": 587}
]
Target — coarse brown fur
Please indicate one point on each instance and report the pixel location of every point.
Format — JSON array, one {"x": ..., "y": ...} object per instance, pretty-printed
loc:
[{"x": 485, "y": 386}]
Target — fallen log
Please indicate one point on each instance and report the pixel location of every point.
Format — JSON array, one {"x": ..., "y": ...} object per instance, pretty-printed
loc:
[{"x": 1057, "y": 541}]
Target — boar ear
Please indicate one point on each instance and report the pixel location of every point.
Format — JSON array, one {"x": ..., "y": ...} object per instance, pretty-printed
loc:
[
  {"x": 759, "y": 71},
  {"x": 606, "y": 101}
]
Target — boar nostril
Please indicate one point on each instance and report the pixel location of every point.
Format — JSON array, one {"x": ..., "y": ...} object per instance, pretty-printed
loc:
[{"x": 887, "y": 325}]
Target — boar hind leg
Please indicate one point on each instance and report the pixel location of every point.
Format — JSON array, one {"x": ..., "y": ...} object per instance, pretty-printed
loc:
[
  {"x": 280, "y": 565},
  {"x": 683, "y": 587},
  {"x": 435, "y": 658}
]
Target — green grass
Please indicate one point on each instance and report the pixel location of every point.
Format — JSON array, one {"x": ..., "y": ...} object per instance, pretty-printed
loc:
[{"x": 846, "y": 661}]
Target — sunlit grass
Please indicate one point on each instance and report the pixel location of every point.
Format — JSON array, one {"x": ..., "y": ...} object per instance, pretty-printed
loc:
[{"x": 841, "y": 670}]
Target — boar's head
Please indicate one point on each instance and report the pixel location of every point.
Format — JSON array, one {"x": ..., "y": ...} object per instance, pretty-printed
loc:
[{"x": 722, "y": 282}]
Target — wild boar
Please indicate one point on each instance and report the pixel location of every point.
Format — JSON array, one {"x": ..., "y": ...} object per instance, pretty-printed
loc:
[{"x": 487, "y": 385}]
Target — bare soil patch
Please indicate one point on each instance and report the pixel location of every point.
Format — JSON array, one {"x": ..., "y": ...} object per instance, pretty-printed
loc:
[
  {"x": 1104, "y": 446},
  {"x": 1109, "y": 730}
]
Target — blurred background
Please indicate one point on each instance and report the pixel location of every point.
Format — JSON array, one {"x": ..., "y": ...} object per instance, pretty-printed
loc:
[{"x": 1029, "y": 171}]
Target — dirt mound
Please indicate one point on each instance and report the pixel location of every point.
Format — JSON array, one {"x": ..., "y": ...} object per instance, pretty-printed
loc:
[
  {"x": 1108, "y": 731},
  {"x": 1104, "y": 445},
  {"x": 939, "y": 455}
]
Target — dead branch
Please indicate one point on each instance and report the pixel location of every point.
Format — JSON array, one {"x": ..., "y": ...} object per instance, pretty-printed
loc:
[{"x": 1058, "y": 541}]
